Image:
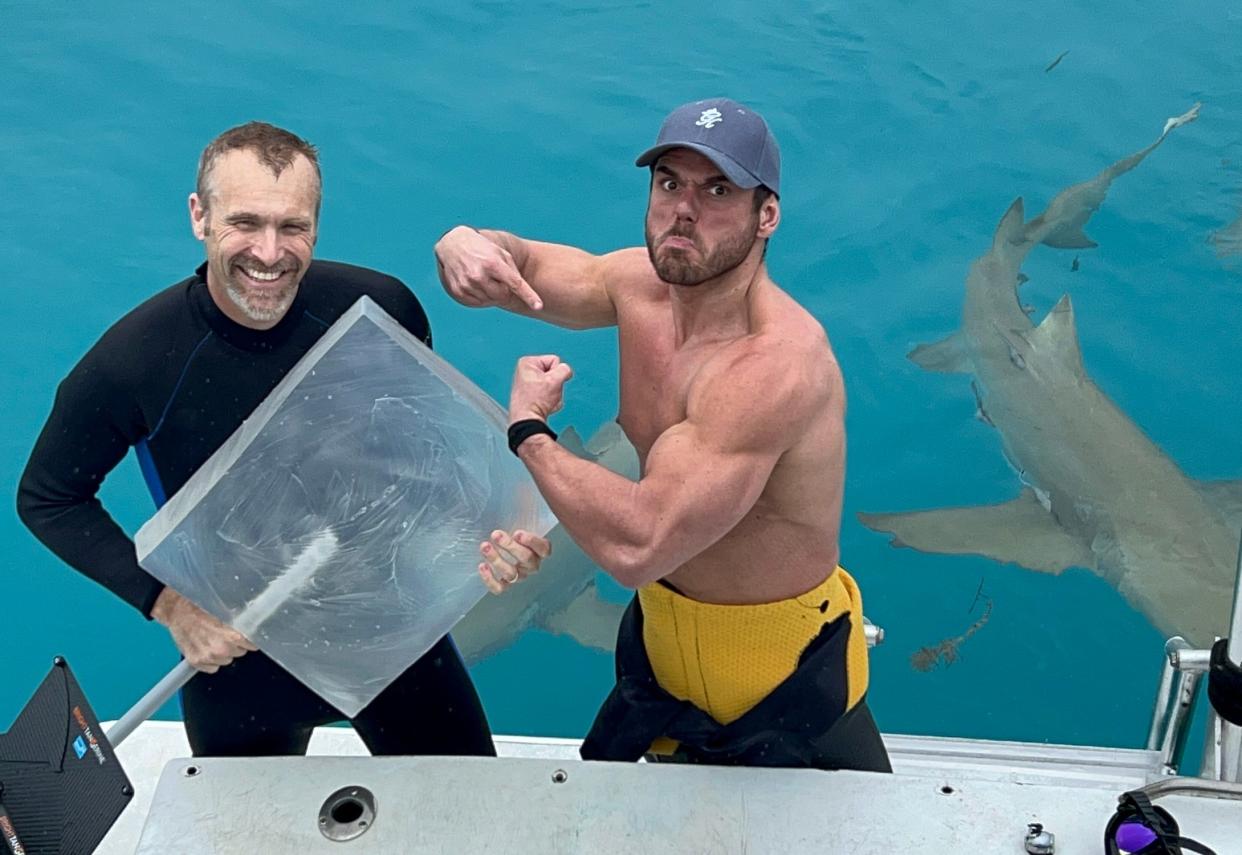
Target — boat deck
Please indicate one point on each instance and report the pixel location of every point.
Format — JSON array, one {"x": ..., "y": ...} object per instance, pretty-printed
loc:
[{"x": 947, "y": 795}]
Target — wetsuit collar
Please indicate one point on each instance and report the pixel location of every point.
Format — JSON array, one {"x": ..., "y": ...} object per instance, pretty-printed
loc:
[{"x": 233, "y": 332}]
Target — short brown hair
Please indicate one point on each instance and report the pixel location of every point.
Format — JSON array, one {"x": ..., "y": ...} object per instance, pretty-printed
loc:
[
  {"x": 276, "y": 149},
  {"x": 761, "y": 195}
]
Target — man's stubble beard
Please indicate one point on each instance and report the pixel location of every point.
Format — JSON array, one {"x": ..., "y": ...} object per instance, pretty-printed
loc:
[
  {"x": 270, "y": 310},
  {"x": 676, "y": 269}
]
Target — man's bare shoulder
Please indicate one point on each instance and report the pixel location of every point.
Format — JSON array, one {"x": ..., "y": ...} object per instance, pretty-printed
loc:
[
  {"x": 789, "y": 336},
  {"x": 768, "y": 386},
  {"x": 792, "y": 362},
  {"x": 628, "y": 274}
]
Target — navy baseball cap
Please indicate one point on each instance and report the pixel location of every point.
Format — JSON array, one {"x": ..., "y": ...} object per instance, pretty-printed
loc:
[{"x": 729, "y": 134}]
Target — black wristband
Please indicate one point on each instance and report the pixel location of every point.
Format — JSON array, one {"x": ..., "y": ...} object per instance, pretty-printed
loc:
[{"x": 521, "y": 431}]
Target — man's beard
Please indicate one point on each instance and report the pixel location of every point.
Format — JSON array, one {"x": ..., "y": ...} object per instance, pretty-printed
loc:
[
  {"x": 262, "y": 306},
  {"x": 676, "y": 268}
]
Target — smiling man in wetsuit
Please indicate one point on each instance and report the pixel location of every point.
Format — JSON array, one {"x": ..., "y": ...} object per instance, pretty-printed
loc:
[
  {"x": 745, "y": 641},
  {"x": 174, "y": 379}
]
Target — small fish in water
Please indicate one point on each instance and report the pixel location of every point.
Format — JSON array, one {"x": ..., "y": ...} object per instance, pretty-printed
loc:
[
  {"x": 1056, "y": 61},
  {"x": 948, "y": 651},
  {"x": 1074, "y": 265}
]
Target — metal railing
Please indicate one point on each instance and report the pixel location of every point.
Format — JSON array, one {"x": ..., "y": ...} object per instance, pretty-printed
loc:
[
  {"x": 1175, "y": 700},
  {"x": 1231, "y": 735}
]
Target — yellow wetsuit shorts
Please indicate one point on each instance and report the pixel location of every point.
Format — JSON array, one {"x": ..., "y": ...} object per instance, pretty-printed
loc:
[{"x": 724, "y": 659}]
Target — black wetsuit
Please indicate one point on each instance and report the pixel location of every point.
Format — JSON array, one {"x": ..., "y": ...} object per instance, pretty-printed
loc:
[
  {"x": 802, "y": 723},
  {"x": 173, "y": 379}
]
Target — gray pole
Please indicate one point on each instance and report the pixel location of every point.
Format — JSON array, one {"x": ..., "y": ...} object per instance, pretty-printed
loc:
[
  {"x": 1231, "y": 734},
  {"x": 150, "y": 702}
]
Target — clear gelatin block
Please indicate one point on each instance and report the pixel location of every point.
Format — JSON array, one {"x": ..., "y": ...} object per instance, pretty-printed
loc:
[{"x": 338, "y": 528}]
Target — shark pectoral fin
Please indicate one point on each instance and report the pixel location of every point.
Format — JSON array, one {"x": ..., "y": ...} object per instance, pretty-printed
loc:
[
  {"x": 947, "y": 355},
  {"x": 589, "y": 620},
  {"x": 1020, "y": 532},
  {"x": 1073, "y": 238},
  {"x": 1226, "y": 497}
]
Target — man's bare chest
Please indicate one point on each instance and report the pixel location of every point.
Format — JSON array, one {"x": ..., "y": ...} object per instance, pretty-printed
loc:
[{"x": 657, "y": 380}]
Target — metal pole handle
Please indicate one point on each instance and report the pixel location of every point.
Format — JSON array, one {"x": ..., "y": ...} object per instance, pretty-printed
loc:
[
  {"x": 151, "y": 701},
  {"x": 1231, "y": 734},
  {"x": 317, "y": 553}
]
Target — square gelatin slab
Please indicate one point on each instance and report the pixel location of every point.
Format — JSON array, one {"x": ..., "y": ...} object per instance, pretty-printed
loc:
[{"x": 338, "y": 527}]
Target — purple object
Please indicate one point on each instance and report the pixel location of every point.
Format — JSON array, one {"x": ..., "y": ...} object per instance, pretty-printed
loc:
[{"x": 1133, "y": 836}]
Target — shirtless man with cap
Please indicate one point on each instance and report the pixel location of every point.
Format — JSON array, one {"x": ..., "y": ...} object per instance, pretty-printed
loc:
[{"x": 744, "y": 643}]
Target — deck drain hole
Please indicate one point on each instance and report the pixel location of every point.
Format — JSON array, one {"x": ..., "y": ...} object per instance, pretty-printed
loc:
[{"x": 347, "y": 813}]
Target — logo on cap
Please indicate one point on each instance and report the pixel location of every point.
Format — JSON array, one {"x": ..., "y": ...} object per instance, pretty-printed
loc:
[{"x": 709, "y": 118}]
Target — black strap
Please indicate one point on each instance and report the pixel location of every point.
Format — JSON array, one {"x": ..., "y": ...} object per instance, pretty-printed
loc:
[
  {"x": 521, "y": 431},
  {"x": 1225, "y": 684},
  {"x": 1135, "y": 805}
]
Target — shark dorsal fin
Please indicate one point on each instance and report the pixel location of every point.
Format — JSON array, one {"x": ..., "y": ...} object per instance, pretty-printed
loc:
[
  {"x": 1058, "y": 334},
  {"x": 1011, "y": 228}
]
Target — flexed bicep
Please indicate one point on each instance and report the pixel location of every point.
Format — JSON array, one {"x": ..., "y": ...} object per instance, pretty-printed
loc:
[{"x": 699, "y": 486}]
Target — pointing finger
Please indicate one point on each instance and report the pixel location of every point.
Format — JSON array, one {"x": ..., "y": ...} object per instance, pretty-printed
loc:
[{"x": 521, "y": 288}]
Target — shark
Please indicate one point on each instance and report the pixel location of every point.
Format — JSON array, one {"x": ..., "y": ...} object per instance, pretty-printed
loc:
[
  {"x": 562, "y": 598},
  {"x": 1228, "y": 240},
  {"x": 1096, "y": 492}
]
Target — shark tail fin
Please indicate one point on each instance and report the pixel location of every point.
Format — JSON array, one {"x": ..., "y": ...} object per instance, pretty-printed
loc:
[
  {"x": 946, "y": 356},
  {"x": 1184, "y": 119}
]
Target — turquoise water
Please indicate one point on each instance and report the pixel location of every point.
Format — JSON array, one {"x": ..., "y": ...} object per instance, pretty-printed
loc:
[{"x": 906, "y": 130}]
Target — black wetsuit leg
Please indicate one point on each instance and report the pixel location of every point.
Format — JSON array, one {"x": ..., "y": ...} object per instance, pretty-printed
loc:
[
  {"x": 254, "y": 708},
  {"x": 250, "y": 708},
  {"x": 432, "y": 708},
  {"x": 854, "y": 742}
]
